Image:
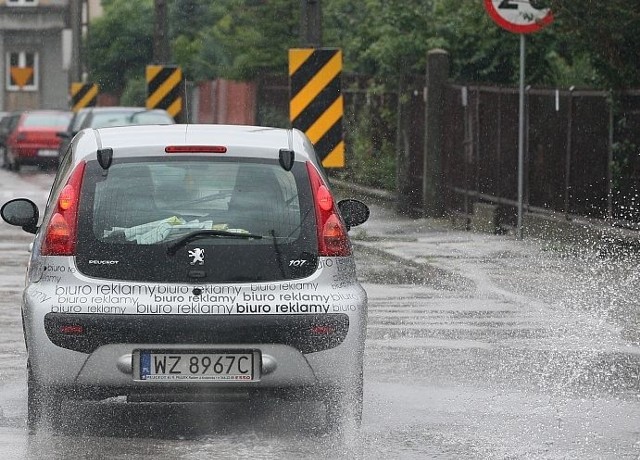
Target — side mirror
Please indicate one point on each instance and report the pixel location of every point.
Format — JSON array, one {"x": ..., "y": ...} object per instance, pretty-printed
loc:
[
  {"x": 353, "y": 212},
  {"x": 21, "y": 212}
]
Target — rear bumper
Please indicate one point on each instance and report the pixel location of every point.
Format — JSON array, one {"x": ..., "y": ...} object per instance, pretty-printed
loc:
[
  {"x": 110, "y": 372},
  {"x": 109, "y": 369},
  {"x": 35, "y": 154},
  {"x": 86, "y": 332}
]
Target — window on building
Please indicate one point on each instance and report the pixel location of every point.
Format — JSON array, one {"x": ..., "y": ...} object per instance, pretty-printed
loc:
[
  {"x": 22, "y": 2},
  {"x": 22, "y": 71}
]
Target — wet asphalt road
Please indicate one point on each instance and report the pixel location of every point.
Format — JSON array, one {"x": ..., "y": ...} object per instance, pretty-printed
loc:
[{"x": 478, "y": 346}]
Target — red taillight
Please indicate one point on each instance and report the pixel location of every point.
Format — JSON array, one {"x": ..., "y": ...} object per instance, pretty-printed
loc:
[
  {"x": 61, "y": 233},
  {"x": 72, "y": 329},
  {"x": 195, "y": 149},
  {"x": 332, "y": 233}
]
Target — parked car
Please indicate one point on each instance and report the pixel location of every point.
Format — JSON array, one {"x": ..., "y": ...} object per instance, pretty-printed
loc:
[
  {"x": 191, "y": 262},
  {"x": 33, "y": 139},
  {"x": 7, "y": 124},
  {"x": 103, "y": 117}
]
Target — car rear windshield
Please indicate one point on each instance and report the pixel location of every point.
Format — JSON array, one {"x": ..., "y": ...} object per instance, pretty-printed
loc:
[
  {"x": 50, "y": 120},
  {"x": 142, "y": 117},
  {"x": 253, "y": 217}
]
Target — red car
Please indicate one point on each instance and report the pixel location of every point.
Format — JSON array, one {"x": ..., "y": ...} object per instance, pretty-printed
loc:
[{"x": 34, "y": 139}]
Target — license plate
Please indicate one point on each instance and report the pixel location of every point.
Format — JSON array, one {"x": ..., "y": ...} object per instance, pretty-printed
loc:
[
  {"x": 232, "y": 366},
  {"x": 47, "y": 153}
]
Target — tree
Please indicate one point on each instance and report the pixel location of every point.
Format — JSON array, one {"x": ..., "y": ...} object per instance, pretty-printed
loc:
[
  {"x": 608, "y": 31},
  {"x": 256, "y": 36},
  {"x": 120, "y": 43}
]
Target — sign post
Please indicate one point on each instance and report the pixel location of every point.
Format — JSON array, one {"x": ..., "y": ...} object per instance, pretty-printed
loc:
[{"x": 520, "y": 17}]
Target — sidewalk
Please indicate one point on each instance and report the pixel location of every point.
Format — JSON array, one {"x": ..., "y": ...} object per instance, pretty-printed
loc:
[
  {"x": 548, "y": 229},
  {"x": 574, "y": 289}
]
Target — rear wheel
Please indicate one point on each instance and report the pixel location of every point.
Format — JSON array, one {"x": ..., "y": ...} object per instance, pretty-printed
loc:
[
  {"x": 13, "y": 164},
  {"x": 344, "y": 407},
  {"x": 43, "y": 405}
]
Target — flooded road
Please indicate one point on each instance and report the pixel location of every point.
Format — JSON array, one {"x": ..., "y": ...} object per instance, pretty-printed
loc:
[{"x": 478, "y": 346}]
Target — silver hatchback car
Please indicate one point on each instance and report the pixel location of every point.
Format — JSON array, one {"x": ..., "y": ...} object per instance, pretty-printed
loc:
[{"x": 190, "y": 263}]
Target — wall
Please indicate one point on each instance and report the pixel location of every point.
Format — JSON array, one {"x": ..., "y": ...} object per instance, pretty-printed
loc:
[
  {"x": 38, "y": 29},
  {"x": 225, "y": 102}
]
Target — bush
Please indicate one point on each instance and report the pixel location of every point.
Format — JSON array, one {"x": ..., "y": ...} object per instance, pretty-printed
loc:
[
  {"x": 135, "y": 93},
  {"x": 370, "y": 159}
]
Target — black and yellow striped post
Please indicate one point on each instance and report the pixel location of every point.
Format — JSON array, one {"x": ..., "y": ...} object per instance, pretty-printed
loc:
[
  {"x": 316, "y": 104},
  {"x": 83, "y": 95},
  {"x": 165, "y": 89}
]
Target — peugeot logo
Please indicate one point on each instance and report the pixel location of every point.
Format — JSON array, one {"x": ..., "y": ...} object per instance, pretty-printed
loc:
[{"x": 197, "y": 256}]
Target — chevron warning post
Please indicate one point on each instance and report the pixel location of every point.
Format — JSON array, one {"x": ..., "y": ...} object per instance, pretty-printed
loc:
[
  {"x": 83, "y": 95},
  {"x": 164, "y": 89},
  {"x": 316, "y": 104}
]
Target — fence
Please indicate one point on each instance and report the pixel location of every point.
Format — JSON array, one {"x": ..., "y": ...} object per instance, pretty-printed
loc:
[
  {"x": 581, "y": 154},
  {"x": 457, "y": 145}
]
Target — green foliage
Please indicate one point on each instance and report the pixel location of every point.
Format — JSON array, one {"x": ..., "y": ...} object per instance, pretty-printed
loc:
[
  {"x": 271, "y": 116},
  {"x": 565, "y": 72},
  {"x": 120, "y": 44},
  {"x": 371, "y": 159},
  {"x": 590, "y": 43},
  {"x": 256, "y": 36},
  {"x": 382, "y": 38},
  {"x": 135, "y": 92},
  {"x": 239, "y": 39},
  {"x": 608, "y": 32}
]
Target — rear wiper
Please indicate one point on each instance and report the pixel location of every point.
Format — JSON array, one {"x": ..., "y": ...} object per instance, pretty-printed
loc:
[
  {"x": 133, "y": 115},
  {"x": 201, "y": 234}
]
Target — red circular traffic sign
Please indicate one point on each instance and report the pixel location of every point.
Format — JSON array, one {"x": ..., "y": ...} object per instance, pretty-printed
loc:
[{"x": 519, "y": 16}]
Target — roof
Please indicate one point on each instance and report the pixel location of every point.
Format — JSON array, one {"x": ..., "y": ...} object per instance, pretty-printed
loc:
[
  {"x": 118, "y": 108},
  {"x": 242, "y": 140}
]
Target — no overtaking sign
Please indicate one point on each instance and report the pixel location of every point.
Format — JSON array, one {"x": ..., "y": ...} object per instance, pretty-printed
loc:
[{"x": 519, "y": 16}]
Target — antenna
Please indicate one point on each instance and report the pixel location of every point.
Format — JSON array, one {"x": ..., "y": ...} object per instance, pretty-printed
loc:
[{"x": 186, "y": 102}]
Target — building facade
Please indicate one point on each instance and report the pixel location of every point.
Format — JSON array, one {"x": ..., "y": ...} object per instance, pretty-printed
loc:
[{"x": 36, "y": 52}]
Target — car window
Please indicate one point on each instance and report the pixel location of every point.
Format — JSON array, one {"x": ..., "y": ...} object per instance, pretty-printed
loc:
[
  {"x": 76, "y": 122},
  {"x": 53, "y": 120},
  {"x": 263, "y": 217},
  {"x": 109, "y": 119},
  {"x": 149, "y": 203},
  {"x": 149, "y": 118}
]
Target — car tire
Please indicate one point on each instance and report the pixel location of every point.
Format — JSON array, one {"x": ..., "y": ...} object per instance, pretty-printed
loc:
[{"x": 43, "y": 405}]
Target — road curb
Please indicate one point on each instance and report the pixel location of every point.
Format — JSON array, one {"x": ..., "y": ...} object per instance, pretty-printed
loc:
[{"x": 572, "y": 230}]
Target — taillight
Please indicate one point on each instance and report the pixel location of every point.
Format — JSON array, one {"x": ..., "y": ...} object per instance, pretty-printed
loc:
[
  {"x": 332, "y": 233},
  {"x": 61, "y": 233},
  {"x": 195, "y": 149}
]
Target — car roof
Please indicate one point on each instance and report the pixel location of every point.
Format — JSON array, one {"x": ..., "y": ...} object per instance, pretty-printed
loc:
[
  {"x": 45, "y": 111},
  {"x": 120, "y": 108},
  {"x": 147, "y": 140}
]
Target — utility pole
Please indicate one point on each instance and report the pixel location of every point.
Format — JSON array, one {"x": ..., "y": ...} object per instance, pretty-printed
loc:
[
  {"x": 160, "y": 35},
  {"x": 311, "y": 24},
  {"x": 75, "y": 20},
  {"x": 84, "y": 27}
]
